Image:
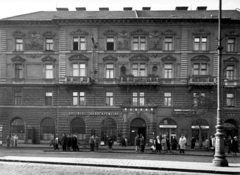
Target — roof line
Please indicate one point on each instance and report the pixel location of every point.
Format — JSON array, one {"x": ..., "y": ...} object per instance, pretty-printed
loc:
[{"x": 22, "y": 15}]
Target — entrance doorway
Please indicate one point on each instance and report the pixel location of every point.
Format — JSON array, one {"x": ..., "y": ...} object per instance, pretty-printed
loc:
[
  {"x": 137, "y": 127},
  {"x": 230, "y": 128},
  {"x": 108, "y": 129},
  {"x": 168, "y": 128}
]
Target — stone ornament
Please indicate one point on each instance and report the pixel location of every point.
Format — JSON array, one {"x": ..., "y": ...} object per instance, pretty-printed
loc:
[{"x": 34, "y": 41}]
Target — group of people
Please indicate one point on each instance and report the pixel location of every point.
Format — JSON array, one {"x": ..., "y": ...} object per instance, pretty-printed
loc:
[
  {"x": 67, "y": 142},
  {"x": 164, "y": 144},
  {"x": 232, "y": 144},
  {"x": 139, "y": 143},
  {"x": 12, "y": 141},
  {"x": 94, "y": 142}
]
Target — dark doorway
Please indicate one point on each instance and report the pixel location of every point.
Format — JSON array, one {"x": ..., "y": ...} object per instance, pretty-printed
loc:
[
  {"x": 230, "y": 128},
  {"x": 137, "y": 127}
]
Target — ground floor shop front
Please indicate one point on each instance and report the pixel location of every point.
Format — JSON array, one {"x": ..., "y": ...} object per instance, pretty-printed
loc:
[{"x": 40, "y": 125}]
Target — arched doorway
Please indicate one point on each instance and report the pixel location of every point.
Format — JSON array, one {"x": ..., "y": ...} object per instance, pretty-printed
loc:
[
  {"x": 196, "y": 124},
  {"x": 108, "y": 129},
  {"x": 17, "y": 127},
  {"x": 47, "y": 129},
  {"x": 168, "y": 128},
  {"x": 137, "y": 126},
  {"x": 78, "y": 127},
  {"x": 230, "y": 128}
]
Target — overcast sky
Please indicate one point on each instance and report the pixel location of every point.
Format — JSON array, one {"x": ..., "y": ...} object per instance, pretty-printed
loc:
[{"x": 10, "y": 8}]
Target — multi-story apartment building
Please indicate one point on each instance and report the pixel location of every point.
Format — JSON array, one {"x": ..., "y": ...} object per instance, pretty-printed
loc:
[{"x": 116, "y": 73}]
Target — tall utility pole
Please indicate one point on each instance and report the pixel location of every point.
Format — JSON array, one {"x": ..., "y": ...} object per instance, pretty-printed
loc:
[{"x": 219, "y": 156}]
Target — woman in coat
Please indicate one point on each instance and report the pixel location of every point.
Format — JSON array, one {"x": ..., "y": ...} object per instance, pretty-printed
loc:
[
  {"x": 142, "y": 143},
  {"x": 235, "y": 149},
  {"x": 174, "y": 143},
  {"x": 157, "y": 143},
  {"x": 110, "y": 143},
  {"x": 182, "y": 143}
]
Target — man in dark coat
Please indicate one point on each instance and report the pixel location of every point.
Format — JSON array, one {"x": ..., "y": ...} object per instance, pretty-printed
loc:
[{"x": 64, "y": 142}]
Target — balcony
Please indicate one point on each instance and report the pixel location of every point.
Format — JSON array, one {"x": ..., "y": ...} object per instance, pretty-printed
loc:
[
  {"x": 77, "y": 80},
  {"x": 199, "y": 80},
  {"x": 231, "y": 83}
]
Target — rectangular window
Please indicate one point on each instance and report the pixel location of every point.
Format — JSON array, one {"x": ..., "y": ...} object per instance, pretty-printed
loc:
[
  {"x": 19, "y": 44},
  {"x": 110, "y": 43},
  {"x": 18, "y": 71},
  {"x": 168, "y": 43},
  {"x": 230, "y": 100},
  {"x": 200, "y": 43},
  {"x": 17, "y": 98},
  {"x": 139, "y": 70},
  {"x": 48, "y": 99},
  {"x": 167, "y": 99},
  {"x": 139, "y": 43},
  {"x": 79, "y": 69},
  {"x": 231, "y": 44},
  {"x": 79, "y": 98},
  {"x": 49, "y": 44},
  {"x": 198, "y": 96},
  {"x": 200, "y": 69},
  {"x": 230, "y": 73},
  {"x": 109, "y": 71},
  {"x": 138, "y": 99},
  {"x": 109, "y": 98},
  {"x": 75, "y": 43},
  {"x": 82, "y": 43},
  {"x": 168, "y": 71},
  {"x": 49, "y": 71},
  {"x": 79, "y": 43}
]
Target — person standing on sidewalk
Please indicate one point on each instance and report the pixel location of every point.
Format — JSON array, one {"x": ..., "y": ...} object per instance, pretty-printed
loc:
[
  {"x": 213, "y": 143},
  {"x": 110, "y": 143},
  {"x": 136, "y": 143},
  {"x": 64, "y": 142},
  {"x": 92, "y": 142},
  {"x": 16, "y": 140},
  {"x": 157, "y": 144},
  {"x": 56, "y": 143},
  {"x": 182, "y": 143},
  {"x": 8, "y": 141},
  {"x": 142, "y": 143},
  {"x": 174, "y": 143},
  {"x": 97, "y": 142},
  {"x": 229, "y": 144},
  {"x": 235, "y": 149}
]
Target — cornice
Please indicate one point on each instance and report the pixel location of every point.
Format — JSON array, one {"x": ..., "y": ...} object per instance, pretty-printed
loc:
[
  {"x": 79, "y": 32},
  {"x": 169, "y": 58},
  {"x": 110, "y": 58},
  {"x": 48, "y": 58},
  {"x": 48, "y": 33},
  {"x": 139, "y": 57},
  {"x": 201, "y": 32},
  {"x": 231, "y": 59},
  {"x": 18, "y": 59},
  {"x": 200, "y": 58},
  {"x": 78, "y": 57}
]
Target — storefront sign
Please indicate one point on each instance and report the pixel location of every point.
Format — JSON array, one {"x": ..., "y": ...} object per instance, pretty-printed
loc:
[
  {"x": 183, "y": 111},
  {"x": 167, "y": 126},
  {"x": 93, "y": 113},
  {"x": 203, "y": 127}
]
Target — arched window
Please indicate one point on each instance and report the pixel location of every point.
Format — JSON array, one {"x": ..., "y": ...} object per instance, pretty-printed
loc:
[
  {"x": 47, "y": 129},
  {"x": 78, "y": 127},
  {"x": 17, "y": 127}
]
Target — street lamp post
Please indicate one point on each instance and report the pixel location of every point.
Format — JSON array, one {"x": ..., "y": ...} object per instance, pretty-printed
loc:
[{"x": 219, "y": 156}]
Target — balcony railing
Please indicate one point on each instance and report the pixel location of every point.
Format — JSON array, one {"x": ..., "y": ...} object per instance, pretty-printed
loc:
[
  {"x": 77, "y": 80},
  {"x": 202, "y": 80},
  {"x": 231, "y": 83},
  {"x": 148, "y": 81}
]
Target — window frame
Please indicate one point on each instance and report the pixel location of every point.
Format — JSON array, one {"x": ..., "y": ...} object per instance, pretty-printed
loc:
[
  {"x": 167, "y": 98},
  {"x": 139, "y": 43},
  {"x": 201, "y": 37},
  {"x": 140, "y": 98},
  {"x": 78, "y": 98},
  {"x": 79, "y": 69},
  {"x": 234, "y": 44},
  {"x": 231, "y": 99},
  {"x": 200, "y": 69},
  {"x": 21, "y": 44},
  {"x": 79, "y": 43},
  {"x": 49, "y": 44},
  {"x": 172, "y": 43},
  {"x": 139, "y": 74},
  {"x": 164, "y": 71},
  {"x": 18, "y": 99},
  {"x": 113, "y": 42},
  {"x": 109, "y": 99},
  {"x": 48, "y": 99}
]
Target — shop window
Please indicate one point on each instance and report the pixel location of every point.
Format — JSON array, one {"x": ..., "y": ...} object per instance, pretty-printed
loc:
[
  {"x": 138, "y": 99},
  {"x": 108, "y": 129},
  {"x": 79, "y": 98},
  {"x": 17, "y": 98},
  {"x": 48, "y": 98},
  {"x": 230, "y": 100},
  {"x": 198, "y": 132},
  {"x": 47, "y": 129},
  {"x": 78, "y": 128},
  {"x": 109, "y": 98},
  {"x": 167, "y": 99},
  {"x": 17, "y": 128}
]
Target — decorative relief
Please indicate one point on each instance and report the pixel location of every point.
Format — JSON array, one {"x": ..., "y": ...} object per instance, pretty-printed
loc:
[
  {"x": 48, "y": 58},
  {"x": 201, "y": 32},
  {"x": 33, "y": 56},
  {"x": 78, "y": 57},
  {"x": 123, "y": 63},
  {"x": 155, "y": 55},
  {"x": 155, "y": 63},
  {"x": 231, "y": 59},
  {"x": 110, "y": 58},
  {"x": 200, "y": 58},
  {"x": 79, "y": 32},
  {"x": 139, "y": 58},
  {"x": 139, "y": 32},
  {"x": 232, "y": 33},
  {"x": 18, "y": 58},
  {"x": 123, "y": 55},
  {"x": 123, "y": 40},
  {"x": 18, "y": 33},
  {"x": 169, "y": 32},
  {"x": 169, "y": 58},
  {"x": 49, "y": 33},
  {"x": 110, "y": 32},
  {"x": 34, "y": 41}
]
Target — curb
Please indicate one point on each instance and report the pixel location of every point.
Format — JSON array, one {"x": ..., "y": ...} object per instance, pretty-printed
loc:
[{"x": 125, "y": 167}]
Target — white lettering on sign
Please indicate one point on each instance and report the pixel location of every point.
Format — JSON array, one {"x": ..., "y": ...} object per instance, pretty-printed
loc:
[
  {"x": 93, "y": 113},
  {"x": 167, "y": 126}
]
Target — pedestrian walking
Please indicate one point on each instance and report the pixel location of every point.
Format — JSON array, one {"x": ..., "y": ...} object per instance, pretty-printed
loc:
[
  {"x": 110, "y": 143},
  {"x": 164, "y": 145},
  {"x": 69, "y": 142},
  {"x": 207, "y": 144},
  {"x": 56, "y": 142},
  {"x": 235, "y": 148},
  {"x": 91, "y": 142},
  {"x": 97, "y": 142},
  {"x": 136, "y": 142},
  {"x": 168, "y": 144},
  {"x": 16, "y": 141},
  {"x": 8, "y": 140},
  {"x": 213, "y": 143},
  {"x": 12, "y": 141},
  {"x": 229, "y": 144},
  {"x": 182, "y": 143},
  {"x": 142, "y": 143},
  {"x": 157, "y": 143},
  {"x": 193, "y": 142},
  {"x": 123, "y": 142},
  {"x": 174, "y": 143},
  {"x": 64, "y": 142}
]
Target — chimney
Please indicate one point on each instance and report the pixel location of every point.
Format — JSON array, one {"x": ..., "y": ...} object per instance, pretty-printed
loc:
[
  {"x": 62, "y": 9},
  {"x": 181, "y": 8},
  {"x": 127, "y": 8},
  {"x": 103, "y": 9},
  {"x": 146, "y": 8},
  {"x": 81, "y": 8},
  {"x": 202, "y": 8}
]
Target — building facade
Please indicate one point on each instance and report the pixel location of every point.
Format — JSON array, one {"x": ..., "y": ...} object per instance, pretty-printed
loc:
[{"x": 116, "y": 73}]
